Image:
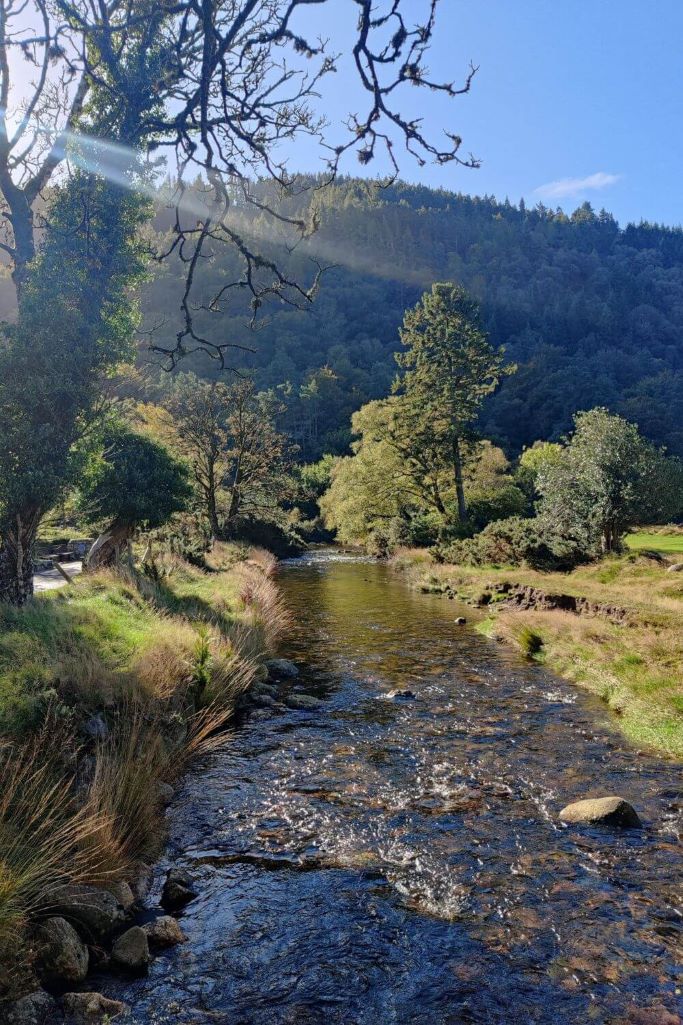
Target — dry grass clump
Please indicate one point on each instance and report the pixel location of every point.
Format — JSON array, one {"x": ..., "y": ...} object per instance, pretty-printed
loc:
[
  {"x": 263, "y": 602},
  {"x": 46, "y": 838}
]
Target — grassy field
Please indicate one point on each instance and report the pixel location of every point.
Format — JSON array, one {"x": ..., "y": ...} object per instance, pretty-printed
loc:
[
  {"x": 665, "y": 543},
  {"x": 635, "y": 667}
]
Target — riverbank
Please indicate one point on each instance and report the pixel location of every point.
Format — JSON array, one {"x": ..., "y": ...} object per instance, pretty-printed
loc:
[
  {"x": 624, "y": 643},
  {"x": 108, "y": 689}
]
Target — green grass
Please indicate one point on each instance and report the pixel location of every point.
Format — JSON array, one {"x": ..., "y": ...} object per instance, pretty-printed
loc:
[{"x": 666, "y": 543}]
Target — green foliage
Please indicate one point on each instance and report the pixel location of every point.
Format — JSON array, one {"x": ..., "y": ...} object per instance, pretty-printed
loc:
[
  {"x": 514, "y": 542},
  {"x": 591, "y": 313},
  {"x": 134, "y": 482},
  {"x": 529, "y": 640},
  {"x": 607, "y": 479}
]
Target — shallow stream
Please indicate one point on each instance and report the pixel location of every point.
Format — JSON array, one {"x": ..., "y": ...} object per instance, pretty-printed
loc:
[{"x": 398, "y": 859}]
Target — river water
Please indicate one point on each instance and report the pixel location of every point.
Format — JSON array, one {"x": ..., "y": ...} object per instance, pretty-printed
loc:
[{"x": 392, "y": 858}]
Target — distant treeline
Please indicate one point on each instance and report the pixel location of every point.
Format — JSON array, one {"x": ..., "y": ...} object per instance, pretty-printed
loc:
[{"x": 591, "y": 313}]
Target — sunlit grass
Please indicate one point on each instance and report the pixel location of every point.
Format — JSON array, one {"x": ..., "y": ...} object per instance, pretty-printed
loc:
[{"x": 656, "y": 542}]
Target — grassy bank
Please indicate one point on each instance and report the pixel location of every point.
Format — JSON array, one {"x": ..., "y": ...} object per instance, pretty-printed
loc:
[
  {"x": 636, "y": 667},
  {"x": 108, "y": 688}
]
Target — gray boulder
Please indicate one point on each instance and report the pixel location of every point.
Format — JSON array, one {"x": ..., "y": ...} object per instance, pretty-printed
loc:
[
  {"x": 460, "y": 621},
  {"x": 37, "y": 1008},
  {"x": 88, "y": 1008},
  {"x": 96, "y": 728},
  {"x": 178, "y": 890},
  {"x": 302, "y": 702},
  {"x": 96, "y": 913},
  {"x": 166, "y": 793},
  {"x": 62, "y": 956},
  {"x": 164, "y": 932},
  {"x": 131, "y": 950},
  {"x": 123, "y": 893},
  {"x": 282, "y": 667},
  {"x": 602, "y": 811},
  {"x": 677, "y": 567}
]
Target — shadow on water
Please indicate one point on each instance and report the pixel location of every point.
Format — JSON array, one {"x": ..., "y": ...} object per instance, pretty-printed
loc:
[{"x": 392, "y": 859}]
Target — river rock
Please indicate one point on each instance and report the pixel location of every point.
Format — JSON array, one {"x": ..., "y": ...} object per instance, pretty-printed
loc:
[
  {"x": 166, "y": 793},
  {"x": 123, "y": 893},
  {"x": 460, "y": 621},
  {"x": 402, "y": 695},
  {"x": 164, "y": 932},
  {"x": 602, "y": 811},
  {"x": 282, "y": 667},
  {"x": 88, "y": 1008},
  {"x": 131, "y": 950},
  {"x": 62, "y": 955},
  {"x": 96, "y": 913},
  {"x": 178, "y": 890},
  {"x": 302, "y": 702},
  {"x": 37, "y": 1008}
]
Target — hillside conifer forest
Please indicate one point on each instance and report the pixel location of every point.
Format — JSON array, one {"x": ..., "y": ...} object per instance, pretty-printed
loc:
[{"x": 590, "y": 311}]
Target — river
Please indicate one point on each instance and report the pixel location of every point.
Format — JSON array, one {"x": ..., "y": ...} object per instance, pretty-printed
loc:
[{"x": 398, "y": 859}]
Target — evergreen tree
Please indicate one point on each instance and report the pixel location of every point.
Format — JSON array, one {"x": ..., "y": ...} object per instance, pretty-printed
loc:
[{"x": 448, "y": 369}]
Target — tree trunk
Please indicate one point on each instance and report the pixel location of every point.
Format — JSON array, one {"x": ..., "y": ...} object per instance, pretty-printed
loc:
[
  {"x": 109, "y": 548},
  {"x": 212, "y": 511},
  {"x": 17, "y": 539},
  {"x": 459, "y": 486}
]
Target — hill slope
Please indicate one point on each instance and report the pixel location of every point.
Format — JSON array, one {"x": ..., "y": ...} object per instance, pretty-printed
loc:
[{"x": 591, "y": 313}]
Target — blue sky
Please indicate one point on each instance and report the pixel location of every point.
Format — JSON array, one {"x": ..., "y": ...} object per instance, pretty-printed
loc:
[{"x": 574, "y": 100}]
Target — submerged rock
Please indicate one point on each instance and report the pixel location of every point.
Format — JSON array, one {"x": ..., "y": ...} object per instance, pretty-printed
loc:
[
  {"x": 96, "y": 913},
  {"x": 131, "y": 950},
  {"x": 402, "y": 695},
  {"x": 178, "y": 890},
  {"x": 282, "y": 667},
  {"x": 603, "y": 811},
  {"x": 62, "y": 954},
  {"x": 87, "y": 1008},
  {"x": 37, "y": 1008},
  {"x": 302, "y": 702},
  {"x": 164, "y": 932}
]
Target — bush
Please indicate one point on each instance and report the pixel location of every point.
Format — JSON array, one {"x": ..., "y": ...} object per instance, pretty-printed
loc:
[{"x": 514, "y": 541}]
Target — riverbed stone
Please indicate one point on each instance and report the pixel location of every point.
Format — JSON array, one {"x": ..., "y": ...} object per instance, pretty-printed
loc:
[
  {"x": 178, "y": 890},
  {"x": 96, "y": 913},
  {"x": 282, "y": 667},
  {"x": 164, "y": 932},
  {"x": 602, "y": 811},
  {"x": 402, "y": 695},
  {"x": 88, "y": 1008},
  {"x": 62, "y": 956},
  {"x": 302, "y": 702},
  {"x": 37, "y": 1008},
  {"x": 131, "y": 950}
]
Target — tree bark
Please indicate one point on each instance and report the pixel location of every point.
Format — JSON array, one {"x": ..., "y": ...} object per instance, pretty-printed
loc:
[
  {"x": 459, "y": 486},
  {"x": 109, "y": 547},
  {"x": 17, "y": 540}
]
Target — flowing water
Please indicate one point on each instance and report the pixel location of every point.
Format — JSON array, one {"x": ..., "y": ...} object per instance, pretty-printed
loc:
[{"x": 395, "y": 858}]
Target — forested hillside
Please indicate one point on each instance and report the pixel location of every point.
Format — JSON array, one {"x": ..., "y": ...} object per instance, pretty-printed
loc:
[{"x": 591, "y": 313}]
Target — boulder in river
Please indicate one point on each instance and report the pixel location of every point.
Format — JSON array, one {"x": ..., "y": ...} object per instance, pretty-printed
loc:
[
  {"x": 602, "y": 811},
  {"x": 460, "y": 621},
  {"x": 164, "y": 932},
  {"x": 402, "y": 695},
  {"x": 88, "y": 1008},
  {"x": 62, "y": 956},
  {"x": 178, "y": 890},
  {"x": 96, "y": 913},
  {"x": 302, "y": 702},
  {"x": 37, "y": 1008},
  {"x": 131, "y": 950},
  {"x": 282, "y": 667}
]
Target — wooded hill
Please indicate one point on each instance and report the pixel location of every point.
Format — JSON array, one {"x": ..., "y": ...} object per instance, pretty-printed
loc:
[{"x": 591, "y": 313}]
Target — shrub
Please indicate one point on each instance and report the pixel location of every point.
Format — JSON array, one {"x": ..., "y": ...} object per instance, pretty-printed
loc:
[
  {"x": 529, "y": 640},
  {"x": 515, "y": 541}
]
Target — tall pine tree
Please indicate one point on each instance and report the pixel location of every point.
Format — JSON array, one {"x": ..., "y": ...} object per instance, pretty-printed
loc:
[{"x": 448, "y": 369}]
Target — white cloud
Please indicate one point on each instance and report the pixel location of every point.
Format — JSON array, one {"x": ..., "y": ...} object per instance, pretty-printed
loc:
[{"x": 568, "y": 188}]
